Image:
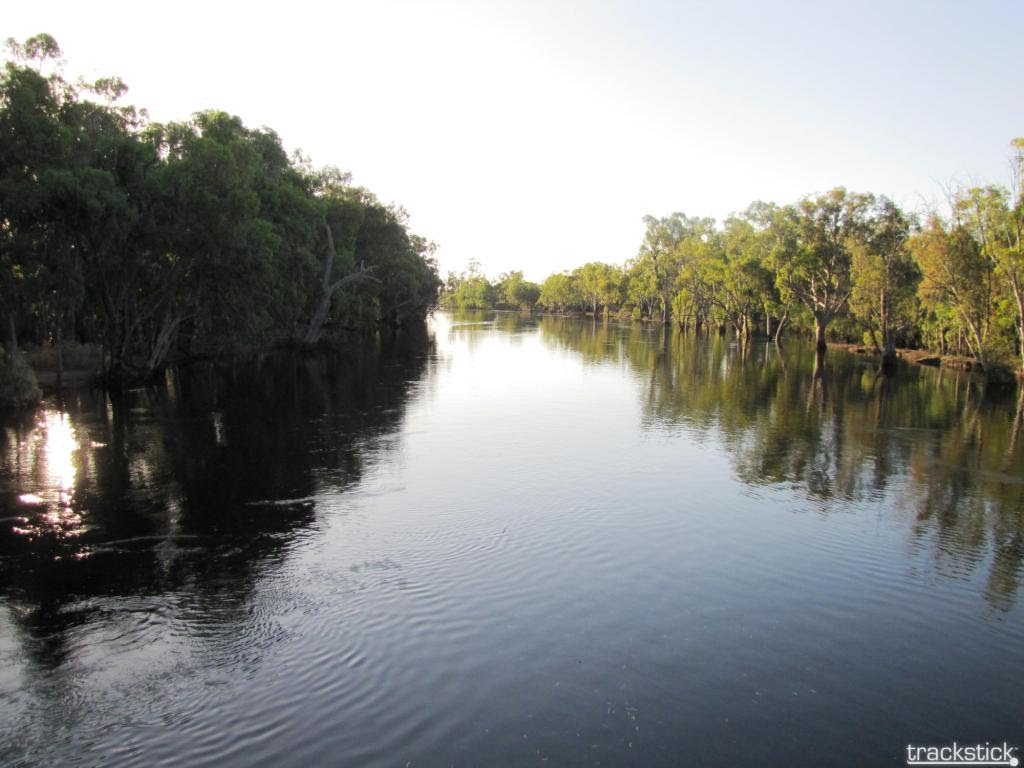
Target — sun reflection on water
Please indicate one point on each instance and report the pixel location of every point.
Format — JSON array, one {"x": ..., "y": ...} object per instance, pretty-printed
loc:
[
  {"x": 60, "y": 449},
  {"x": 51, "y": 450}
]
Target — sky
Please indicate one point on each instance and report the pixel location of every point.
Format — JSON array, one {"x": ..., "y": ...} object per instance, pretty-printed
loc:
[{"x": 536, "y": 135}]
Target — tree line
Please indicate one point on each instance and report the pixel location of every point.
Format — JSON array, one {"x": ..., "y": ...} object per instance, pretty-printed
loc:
[
  {"x": 845, "y": 265},
  {"x": 161, "y": 241}
]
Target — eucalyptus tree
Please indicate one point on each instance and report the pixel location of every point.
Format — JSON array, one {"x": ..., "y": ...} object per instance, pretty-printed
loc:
[
  {"x": 31, "y": 135},
  {"x": 75, "y": 191},
  {"x": 469, "y": 290},
  {"x": 598, "y": 284},
  {"x": 659, "y": 257},
  {"x": 813, "y": 253},
  {"x": 219, "y": 247},
  {"x": 345, "y": 217},
  {"x": 192, "y": 236},
  {"x": 760, "y": 244},
  {"x": 557, "y": 292},
  {"x": 403, "y": 265},
  {"x": 40, "y": 166},
  {"x": 698, "y": 249},
  {"x": 744, "y": 285},
  {"x": 885, "y": 278},
  {"x": 995, "y": 218},
  {"x": 640, "y": 287},
  {"x": 958, "y": 279},
  {"x": 517, "y": 292}
]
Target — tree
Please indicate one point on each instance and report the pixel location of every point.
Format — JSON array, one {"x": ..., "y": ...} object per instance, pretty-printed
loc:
[
  {"x": 813, "y": 253},
  {"x": 743, "y": 282},
  {"x": 957, "y": 275},
  {"x": 996, "y": 221},
  {"x": 598, "y": 284},
  {"x": 194, "y": 236},
  {"x": 557, "y": 292},
  {"x": 640, "y": 287},
  {"x": 658, "y": 256},
  {"x": 885, "y": 277},
  {"x": 516, "y": 292},
  {"x": 34, "y": 141},
  {"x": 470, "y": 290}
]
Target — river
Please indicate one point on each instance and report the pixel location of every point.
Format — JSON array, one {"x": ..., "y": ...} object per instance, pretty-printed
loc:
[{"x": 514, "y": 541}]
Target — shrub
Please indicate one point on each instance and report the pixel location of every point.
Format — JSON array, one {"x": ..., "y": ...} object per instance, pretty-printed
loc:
[{"x": 18, "y": 385}]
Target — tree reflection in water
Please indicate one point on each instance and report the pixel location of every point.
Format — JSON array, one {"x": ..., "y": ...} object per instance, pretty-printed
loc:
[
  {"x": 187, "y": 490},
  {"x": 935, "y": 442}
]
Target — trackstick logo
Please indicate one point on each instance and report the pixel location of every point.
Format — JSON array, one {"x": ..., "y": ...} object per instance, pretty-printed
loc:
[{"x": 964, "y": 754}]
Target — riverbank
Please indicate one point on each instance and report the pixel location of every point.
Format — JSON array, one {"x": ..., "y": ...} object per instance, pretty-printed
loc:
[
  {"x": 82, "y": 365},
  {"x": 918, "y": 356},
  {"x": 79, "y": 365}
]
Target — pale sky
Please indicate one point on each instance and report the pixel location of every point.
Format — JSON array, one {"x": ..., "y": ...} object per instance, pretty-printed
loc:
[{"x": 536, "y": 135}]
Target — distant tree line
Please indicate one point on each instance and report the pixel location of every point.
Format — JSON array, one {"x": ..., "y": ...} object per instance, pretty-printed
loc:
[
  {"x": 162, "y": 241},
  {"x": 847, "y": 265}
]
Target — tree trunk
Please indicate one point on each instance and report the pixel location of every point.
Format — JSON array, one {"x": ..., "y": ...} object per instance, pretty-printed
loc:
[
  {"x": 1019, "y": 296},
  {"x": 12, "y": 336},
  {"x": 889, "y": 356},
  {"x": 316, "y": 322},
  {"x": 1021, "y": 332},
  {"x": 116, "y": 367},
  {"x": 60, "y": 354},
  {"x": 328, "y": 289},
  {"x": 162, "y": 344},
  {"x": 1018, "y": 420},
  {"x": 783, "y": 322},
  {"x": 819, "y": 364},
  {"x": 820, "y": 326}
]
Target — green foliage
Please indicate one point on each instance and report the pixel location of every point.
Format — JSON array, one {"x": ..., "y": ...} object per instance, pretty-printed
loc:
[
  {"x": 597, "y": 285},
  {"x": 813, "y": 258},
  {"x": 957, "y": 281},
  {"x": 558, "y": 294},
  {"x": 469, "y": 290},
  {"x": 996, "y": 221},
  {"x": 515, "y": 292},
  {"x": 18, "y": 386},
  {"x": 166, "y": 240},
  {"x": 885, "y": 277},
  {"x": 855, "y": 266}
]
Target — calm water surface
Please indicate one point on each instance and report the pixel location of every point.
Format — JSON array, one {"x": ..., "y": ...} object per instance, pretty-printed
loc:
[{"x": 514, "y": 542}]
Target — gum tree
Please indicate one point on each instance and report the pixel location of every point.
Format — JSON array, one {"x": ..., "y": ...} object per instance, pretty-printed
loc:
[
  {"x": 885, "y": 277},
  {"x": 813, "y": 253}
]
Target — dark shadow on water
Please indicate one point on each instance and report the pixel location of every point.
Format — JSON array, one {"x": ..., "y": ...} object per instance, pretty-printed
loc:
[{"x": 190, "y": 489}]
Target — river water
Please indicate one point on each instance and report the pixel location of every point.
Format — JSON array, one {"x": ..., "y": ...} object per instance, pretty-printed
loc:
[{"x": 514, "y": 541}]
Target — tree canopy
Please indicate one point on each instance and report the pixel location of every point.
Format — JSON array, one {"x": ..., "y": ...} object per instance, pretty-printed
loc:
[
  {"x": 854, "y": 266},
  {"x": 167, "y": 240}
]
